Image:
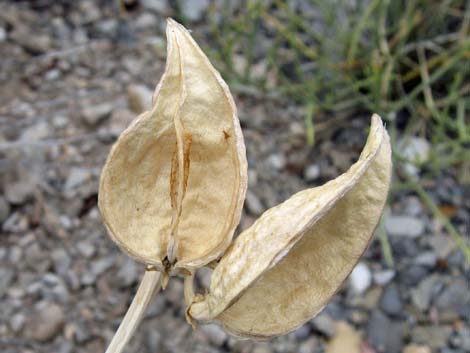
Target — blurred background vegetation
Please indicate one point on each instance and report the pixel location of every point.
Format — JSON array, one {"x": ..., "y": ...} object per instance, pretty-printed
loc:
[{"x": 408, "y": 61}]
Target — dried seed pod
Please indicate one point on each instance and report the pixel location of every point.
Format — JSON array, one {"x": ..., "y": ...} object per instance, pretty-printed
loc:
[
  {"x": 283, "y": 270},
  {"x": 172, "y": 189}
]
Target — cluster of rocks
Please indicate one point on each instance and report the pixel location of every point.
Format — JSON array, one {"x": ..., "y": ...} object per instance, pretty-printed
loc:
[{"x": 73, "y": 76}]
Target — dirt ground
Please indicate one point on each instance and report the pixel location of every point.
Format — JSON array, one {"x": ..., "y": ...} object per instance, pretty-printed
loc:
[{"x": 73, "y": 75}]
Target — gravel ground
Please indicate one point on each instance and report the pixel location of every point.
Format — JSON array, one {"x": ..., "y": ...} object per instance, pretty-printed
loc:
[{"x": 73, "y": 76}]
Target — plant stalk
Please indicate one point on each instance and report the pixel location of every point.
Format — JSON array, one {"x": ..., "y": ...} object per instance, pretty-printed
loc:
[{"x": 148, "y": 288}]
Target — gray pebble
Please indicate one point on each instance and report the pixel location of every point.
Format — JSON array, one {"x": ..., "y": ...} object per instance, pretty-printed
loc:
[
  {"x": 193, "y": 10},
  {"x": 93, "y": 114},
  {"x": 383, "y": 277},
  {"x": 422, "y": 295},
  {"x": 253, "y": 204},
  {"x": 4, "y": 209},
  {"x": 391, "y": 302},
  {"x": 453, "y": 298},
  {"x": 433, "y": 336},
  {"x": 383, "y": 334},
  {"x": 128, "y": 273},
  {"x": 86, "y": 248},
  {"x": 46, "y": 322},
  {"x": 324, "y": 324},
  {"x": 426, "y": 258},
  {"x": 309, "y": 346},
  {"x": 404, "y": 226},
  {"x": 312, "y": 172},
  {"x": 214, "y": 334},
  {"x": 6, "y": 278},
  {"x": 77, "y": 176},
  {"x": 139, "y": 98}
]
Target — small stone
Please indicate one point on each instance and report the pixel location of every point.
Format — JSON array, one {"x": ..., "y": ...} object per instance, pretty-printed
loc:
[
  {"x": 17, "y": 322},
  {"x": 464, "y": 334},
  {"x": 139, "y": 98},
  {"x": 427, "y": 259},
  {"x": 193, "y": 10},
  {"x": 35, "y": 132},
  {"x": 324, "y": 324},
  {"x": 347, "y": 339},
  {"x": 277, "y": 161},
  {"x": 77, "y": 176},
  {"x": 86, "y": 248},
  {"x": 433, "y": 336},
  {"x": 312, "y": 172},
  {"x": 260, "y": 348},
  {"x": 413, "y": 206},
  {"x": 93, "y": 114},
  {"x": 145, "y": 20},
  {"x": 100, "y": 266},
  {"x": 421, "y": 296},
  {"x": 157, "y": 307},
  {"x": 301, "y": 333},
  {"x": 3, "y": 34},
  {"x": 158, "y": 6},
  {"x": 252, "y": 177},
  {"x": 383, "y": 334},
  {"x": 204, "y": 276},
  {"x": 61, "y": 261},
  {"x": 153, "y": 340},
  {"x": 19, "y": 192},
  {"x": 214, "y": 334},
  {"x": 120, "y": 120},
  {"x": 6, "y": 278},
  {"x": 4, "y": 209},
  {"x": 360, "y": 278},
  {"x": 108, "y": 26},
  {"x": 383, "y": 277},
  {"x": 33, "y": 43},
  {"x": 391, "y": 302},
  {"x": 308, "y": 346},
  {"x": 128, "y": 273},
  {"x": 414, "y": 348},
  {"x": 46, "y": 322},
  {"x": 414, "y": 149},
  {"x": 404, "y": 226},
  {"x": 453, "y": 298},
  {"x": 253, "y": 203},
  {"x": 414, "y": 274}
]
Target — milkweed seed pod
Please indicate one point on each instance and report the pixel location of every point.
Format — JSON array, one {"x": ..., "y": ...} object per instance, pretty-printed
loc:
[
  {"x": 282, "y": 270},
  {"x": 172, "y": 189}
]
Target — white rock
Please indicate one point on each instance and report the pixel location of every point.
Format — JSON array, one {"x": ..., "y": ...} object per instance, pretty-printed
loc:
[
  {"x": 277, "y": 161},
  {"x": 312, "y": 172},
  {"x": 416, "y": 151},
  {"x": 360, "y": 278}
]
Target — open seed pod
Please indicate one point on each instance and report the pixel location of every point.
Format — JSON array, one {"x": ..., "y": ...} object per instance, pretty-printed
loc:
[
  {"x": 282, "y": 271},
  {"x": 172, "y": 189}
]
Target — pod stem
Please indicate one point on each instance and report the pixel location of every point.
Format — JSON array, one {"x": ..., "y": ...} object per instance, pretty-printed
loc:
[{"x": 148, "y": 288}]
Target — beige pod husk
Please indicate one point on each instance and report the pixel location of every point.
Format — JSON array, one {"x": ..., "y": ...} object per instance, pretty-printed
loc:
[
  {"x": 172, "y": 189},
  {"x": 282, "y": 271}
]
